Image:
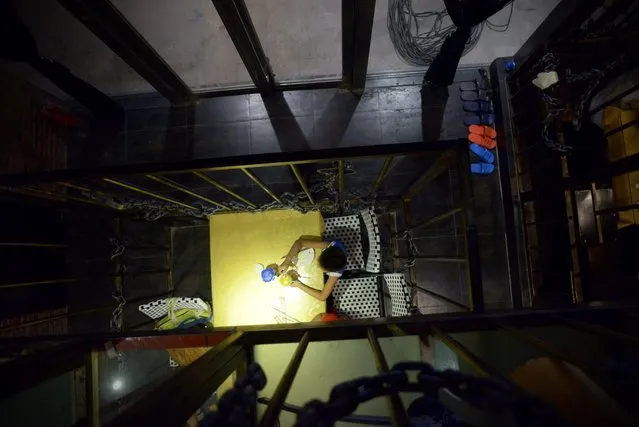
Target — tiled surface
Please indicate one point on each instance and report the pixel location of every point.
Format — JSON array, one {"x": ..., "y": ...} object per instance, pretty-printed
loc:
[
  {"x": 290, "y": 121},
  {"x": 302, "y": 39}
]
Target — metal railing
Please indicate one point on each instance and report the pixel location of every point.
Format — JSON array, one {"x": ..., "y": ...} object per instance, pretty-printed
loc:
[
  {"x": 233, "y": 353},
  {"x": 124, "y": 191}
]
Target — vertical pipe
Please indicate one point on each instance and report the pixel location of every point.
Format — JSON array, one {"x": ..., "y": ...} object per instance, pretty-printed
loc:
[
  {"x": 147, "y": 192},
  {"x": 174, "y": 185},
  {"x": 460, "y": 350},
  {"x": 398, "y": 413},
  {"x": 443, "y": 298},
  {"x": 471, "y": 241},
  {"x": 169, "y": 260},
  {"x": 302, "y": 182},
  {"x": 93, "y": 389},
  {"x": 260, "y": 184},
  {"x": 340, "y": 185},
  {"x": 223, "y": 188},
  {"x": 272, "y": 413},
  {"x": 382, "y": 174}
]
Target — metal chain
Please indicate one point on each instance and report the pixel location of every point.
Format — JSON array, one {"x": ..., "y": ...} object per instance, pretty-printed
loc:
[
  {"x": 153, "y": 210},
  {"x": 550, "y": 62},
  {"x": 119, "y": 247},
  {"x": 484, "y": 393},
  {"x": 487, "y": 394}
]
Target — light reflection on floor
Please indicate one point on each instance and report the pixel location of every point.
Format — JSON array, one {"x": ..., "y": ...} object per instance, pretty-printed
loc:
[{"x": 241, "y": 241}]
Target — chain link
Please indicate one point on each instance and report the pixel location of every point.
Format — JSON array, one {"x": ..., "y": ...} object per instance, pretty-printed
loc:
[
  {"x": 555, "y": 107},
  {"x": 153, "y": 210},
  {"x": 486, "y": 394}
]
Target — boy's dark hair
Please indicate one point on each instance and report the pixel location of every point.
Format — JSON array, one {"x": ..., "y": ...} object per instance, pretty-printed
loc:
[{"x": 332, "y": 259}]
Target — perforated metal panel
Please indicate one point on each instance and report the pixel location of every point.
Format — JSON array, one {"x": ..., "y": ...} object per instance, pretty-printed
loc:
[
  {"x": 158, "y": 309},
  {"x": 357, "y": 298},
  {"x": 347, "y": 229},
  {"x": 400, "y": 298},
  {"x": 373, "y": 260}
]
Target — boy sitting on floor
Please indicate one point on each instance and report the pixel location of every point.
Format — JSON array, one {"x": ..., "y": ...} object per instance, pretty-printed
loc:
[{"x": 332, "y": 261}]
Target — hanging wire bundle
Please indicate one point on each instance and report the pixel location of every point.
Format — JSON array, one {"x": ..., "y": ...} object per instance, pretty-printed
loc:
[{"x": 418, "y": 36}]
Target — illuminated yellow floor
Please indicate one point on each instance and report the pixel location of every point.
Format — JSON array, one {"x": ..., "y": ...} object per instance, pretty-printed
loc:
[{"x": 241, "y": 241}]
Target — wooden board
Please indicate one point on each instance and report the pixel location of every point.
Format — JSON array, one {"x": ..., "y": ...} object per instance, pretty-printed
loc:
[{"x": 238, "y": 243}]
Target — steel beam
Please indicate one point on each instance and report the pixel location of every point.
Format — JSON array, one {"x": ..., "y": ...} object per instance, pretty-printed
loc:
[
  {"x": 260, "y": 184},
  {"x": 183, "y": 189},
  {"x": 341, "y": 330},
  {"x": 302, "y": 183},
  {"x": 357, "y": 30},
  {"x": 442, "y": 298},
  {"x": 146, "y": 192},
  {"x": 238, "y": 23},
  {"x": 193, "y": 384},
  {"x": 232, "y": 162},
  {"x": 480, "y": 366},
  {"x": 223, "y": 188},
  {"x": 104, "y": 20},
  {"x": 440, "y": 165},
  {"x": 272, "y": 413},
  {"x": 382, "y": 174},
  {"x": 397, "y": 410}
]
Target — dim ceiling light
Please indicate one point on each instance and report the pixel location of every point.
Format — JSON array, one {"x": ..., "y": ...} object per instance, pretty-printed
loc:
[{"x": 117, "y": 384}]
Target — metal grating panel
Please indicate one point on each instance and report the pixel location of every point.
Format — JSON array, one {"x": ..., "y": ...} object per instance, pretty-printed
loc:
[
  {"x": 373, "y": 262},
  {"x": 357, "y": 298},
  {"x": 347, "y": 229},
  {"x": 400, "y": 298},
  {"x": 158, "y": 309}
]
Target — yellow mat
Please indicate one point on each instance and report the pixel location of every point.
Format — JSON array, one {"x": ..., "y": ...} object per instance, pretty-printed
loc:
[{"x": 241, "y": 241}]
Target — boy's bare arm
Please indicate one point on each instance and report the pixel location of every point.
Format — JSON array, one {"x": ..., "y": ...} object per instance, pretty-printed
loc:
[
  {"x": 320, "y": 295},
  {"x": 298, "y": 245}
]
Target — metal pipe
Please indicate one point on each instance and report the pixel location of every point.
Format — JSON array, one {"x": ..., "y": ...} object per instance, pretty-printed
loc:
[
  {"x": 442, "y": 298},
  {"x": 440, "y": 165},
  {"x": 340, "y": 184},
  {"x": 234, "y": 162},
  {"x": 429, "y": 221},
  {"x": 147, "y": 193},
  {"x": 388, "y": 161},
  {"x": 261, "y": 185},
  {"x": 183, "y": 189},
  {"x": 302, "y": 182},
  {"x": 33, "y": 245},
  {"x": 75, "y": 279},
  {"x": 272, "y": 412},
  {"x": 622, "y": 127},
  {"x": 223, "y": 188},
  {"x": 397, "y": 410},
  {"x": 469, "y": 357}
]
